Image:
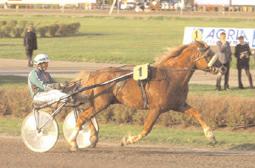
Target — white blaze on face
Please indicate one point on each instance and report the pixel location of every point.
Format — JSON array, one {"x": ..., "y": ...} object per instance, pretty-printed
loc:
[{"x": 213, "y": 60}]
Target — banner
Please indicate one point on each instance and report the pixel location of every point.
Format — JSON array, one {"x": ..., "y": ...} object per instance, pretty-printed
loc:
[{"x": 211, "y": 35}]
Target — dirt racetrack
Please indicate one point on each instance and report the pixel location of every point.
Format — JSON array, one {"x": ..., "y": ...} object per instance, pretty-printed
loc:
[{"x": 14, "y": 154}]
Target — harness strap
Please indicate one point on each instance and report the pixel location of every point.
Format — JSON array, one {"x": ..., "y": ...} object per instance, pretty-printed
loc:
[
  {"x": 118, "y": 86},
  {"x": 145, "y": 99}
]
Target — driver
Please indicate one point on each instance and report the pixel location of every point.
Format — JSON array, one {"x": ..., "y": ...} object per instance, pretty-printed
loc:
[{"x": 42, "y": 86}]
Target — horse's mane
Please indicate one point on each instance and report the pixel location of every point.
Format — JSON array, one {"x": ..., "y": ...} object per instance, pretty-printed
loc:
[{"x": 172, "y": 52}]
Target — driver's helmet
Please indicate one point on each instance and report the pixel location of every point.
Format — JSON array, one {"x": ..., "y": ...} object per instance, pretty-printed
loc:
[{"x": 41, "y": 58}]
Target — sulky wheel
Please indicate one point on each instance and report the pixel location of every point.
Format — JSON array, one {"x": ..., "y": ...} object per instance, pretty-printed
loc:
[
  {"x": 88, "y": 135},
  {"x": 39, "y": 131}
]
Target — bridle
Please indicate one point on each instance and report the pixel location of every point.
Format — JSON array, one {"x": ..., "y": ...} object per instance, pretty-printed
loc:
[{"x": 203, "y": 54}]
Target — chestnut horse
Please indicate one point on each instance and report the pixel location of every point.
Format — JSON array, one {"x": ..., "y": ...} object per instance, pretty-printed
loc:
[{"x": 166, "y": 89}]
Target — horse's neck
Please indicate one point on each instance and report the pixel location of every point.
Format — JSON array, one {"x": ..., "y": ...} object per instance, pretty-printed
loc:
[
  {"x": 181, "y": 61},
  {"x": 182, "y": 65}
]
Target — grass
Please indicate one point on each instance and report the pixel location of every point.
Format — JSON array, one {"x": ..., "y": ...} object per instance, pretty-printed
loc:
[
  {"x": 170, "y": 136},
  {"x": 133, "y": 40},
  {"x": 12, "y": 81},
  {"x": 196, "y": 89},
  {"x": 10, "y": 126},
  {"x": 180, "y": 137}
]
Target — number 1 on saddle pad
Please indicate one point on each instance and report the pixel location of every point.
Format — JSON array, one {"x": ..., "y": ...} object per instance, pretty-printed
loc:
[{"x": 140, "y": 72}]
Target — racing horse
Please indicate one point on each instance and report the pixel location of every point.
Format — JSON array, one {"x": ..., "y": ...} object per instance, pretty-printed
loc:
[{"x": 166, "y": 89}]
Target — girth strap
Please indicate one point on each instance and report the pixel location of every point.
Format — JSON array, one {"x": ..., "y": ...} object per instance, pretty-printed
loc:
[{"x": 145, "y": 99}]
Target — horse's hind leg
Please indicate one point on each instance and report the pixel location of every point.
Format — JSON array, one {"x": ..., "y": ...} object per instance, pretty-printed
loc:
[
  {"x": 148, "y": 124},
  {"x": 194, "y": 113}
]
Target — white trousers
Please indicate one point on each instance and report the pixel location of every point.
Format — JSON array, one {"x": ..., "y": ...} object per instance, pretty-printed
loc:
[{"x": 48, "y": 96}]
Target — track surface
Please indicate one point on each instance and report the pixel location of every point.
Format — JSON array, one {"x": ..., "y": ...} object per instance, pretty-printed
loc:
[{"x": 14, "y": 154}]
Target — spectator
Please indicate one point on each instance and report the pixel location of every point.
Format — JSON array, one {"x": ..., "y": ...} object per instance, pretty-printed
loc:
[
  {"x": 242, "y": 54},
  {"x": 30, "y": 43},
  {"x": 224, "y": 53}
]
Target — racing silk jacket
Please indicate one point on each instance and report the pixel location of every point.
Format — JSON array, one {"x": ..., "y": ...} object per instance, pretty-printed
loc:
[{"x": 38, "y": 81}]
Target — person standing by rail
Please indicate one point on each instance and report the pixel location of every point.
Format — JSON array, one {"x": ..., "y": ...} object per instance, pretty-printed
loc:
[
  {"x": 30, "y": 44},
  {"x": 242, "y": 54},
  {"x": 224, "y": 53}
]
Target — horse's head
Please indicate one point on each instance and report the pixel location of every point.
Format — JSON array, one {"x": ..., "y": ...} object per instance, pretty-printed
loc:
[{"x": 205, "y": 59}]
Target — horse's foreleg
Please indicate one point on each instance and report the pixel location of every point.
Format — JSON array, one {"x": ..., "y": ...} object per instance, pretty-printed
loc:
[
  {"x": 101, "y": 102},
  {"x": 148, "y": 124},
  {"x": 80, "y": 120},
  {"x": 191, "y": 111}
]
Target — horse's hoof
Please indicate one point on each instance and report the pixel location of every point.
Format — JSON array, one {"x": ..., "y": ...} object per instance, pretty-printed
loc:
[
  {"x": 213, "y": 141},
  {"x": 93, "y": 141},
  {"x": 123, "y": 141},
  {"x": 73, "y": 147},
  {"x": 210, "y": 136}
]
